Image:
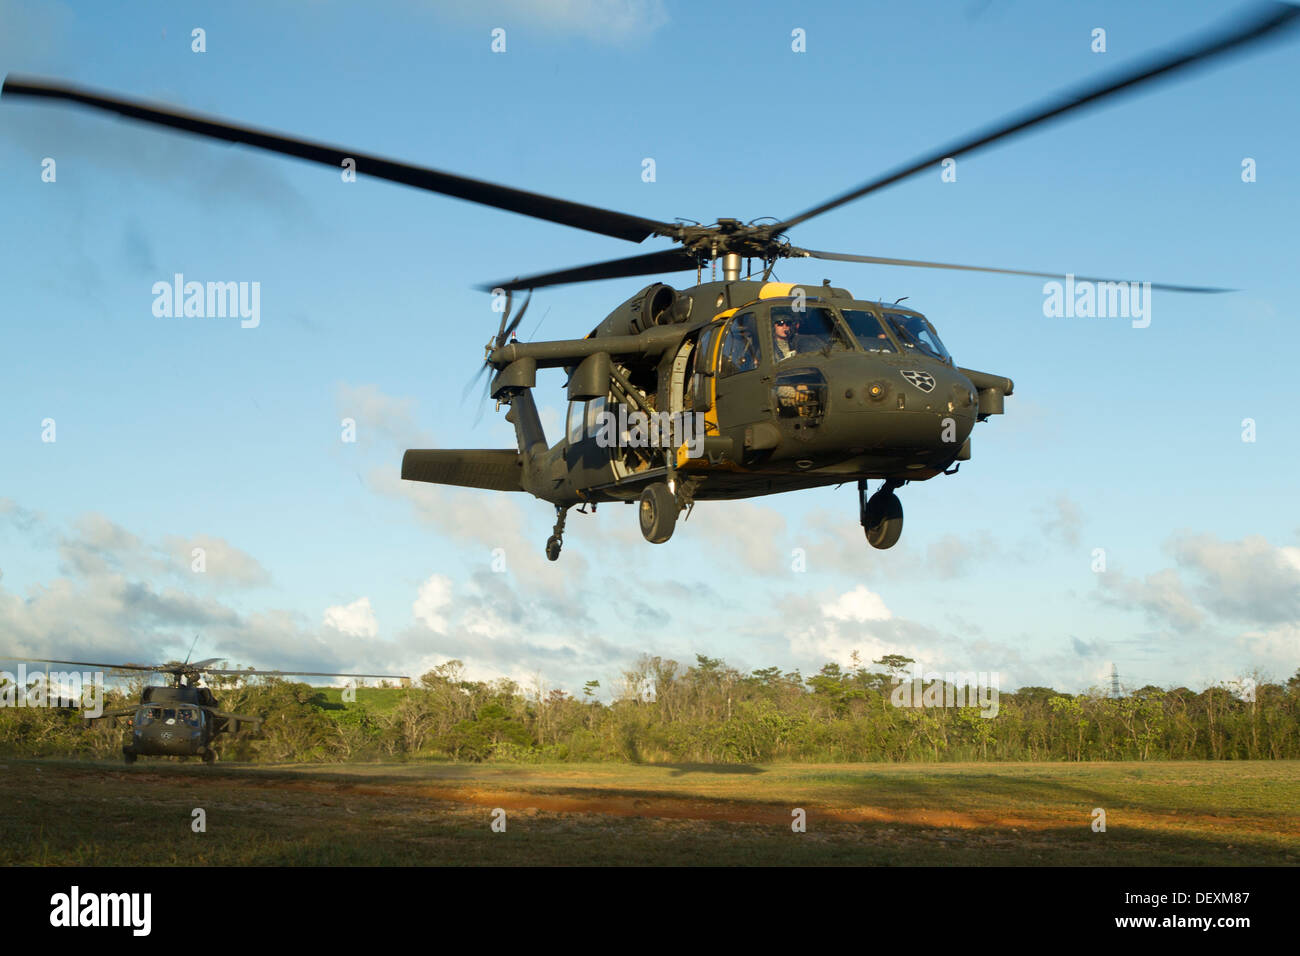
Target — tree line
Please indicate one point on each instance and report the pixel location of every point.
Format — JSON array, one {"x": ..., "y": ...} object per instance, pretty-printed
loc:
[{"x": 709, "y": 712}]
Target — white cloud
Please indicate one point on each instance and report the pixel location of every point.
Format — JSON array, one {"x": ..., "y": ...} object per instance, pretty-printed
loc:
[
  {"x": 1248, "y": 579},
  {"x": 357, "y": 618},
  {"x": 223, "y": 563},
  {"x": 1277, "y": 648},
  {"x": 1063, "y": 521},
  {"x": 488, "y": 526},
  {"x": 380, "y": 417},
  {"x": 1160, "y": 595},
  {"x": 752, "y": 534},
  {"x": 98, "y": 546},
  {"x": 433, "y": 600},
  {"x": 858, "y": 605}
]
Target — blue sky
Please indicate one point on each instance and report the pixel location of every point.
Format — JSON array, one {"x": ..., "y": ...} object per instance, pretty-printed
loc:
[{"x": 181, "y": 433}]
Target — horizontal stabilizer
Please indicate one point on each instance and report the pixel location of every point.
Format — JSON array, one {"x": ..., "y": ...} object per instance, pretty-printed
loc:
[{"x": 494, "y": 469}]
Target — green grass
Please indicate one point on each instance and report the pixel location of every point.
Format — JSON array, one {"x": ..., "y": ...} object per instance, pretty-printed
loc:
[
  {"x": 83, "y": 813},
  {"x": 378, "y": 700}
]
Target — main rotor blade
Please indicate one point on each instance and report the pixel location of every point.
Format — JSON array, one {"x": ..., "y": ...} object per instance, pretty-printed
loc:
[
  {"x": 110, "y": 667},
  {"x": 666, "y": 260},
  {"x": 1261, "y": 23},
  {"x": 878, "y": 260},
  {"x": 580, "y": 216},
  {"x": 256, "y": 673}
]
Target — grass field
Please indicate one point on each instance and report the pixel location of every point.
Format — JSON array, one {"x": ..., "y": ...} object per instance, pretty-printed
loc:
[
  {"x": 379, "y": 700},
  {"x": 1224, "y": 813}
]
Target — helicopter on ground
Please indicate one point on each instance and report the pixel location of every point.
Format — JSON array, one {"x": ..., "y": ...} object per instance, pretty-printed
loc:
[
  {"x": 727, "y": 389},
  {"x": 184, "y": 719}
]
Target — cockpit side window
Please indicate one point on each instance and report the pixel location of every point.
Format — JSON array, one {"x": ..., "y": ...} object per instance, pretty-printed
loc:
[
  {"x": 804, "y": 330},
  {"x": 700, "y": 383}
]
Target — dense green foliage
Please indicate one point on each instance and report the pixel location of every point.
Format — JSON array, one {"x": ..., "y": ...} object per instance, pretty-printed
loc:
[{"x": 711, "y": 713}]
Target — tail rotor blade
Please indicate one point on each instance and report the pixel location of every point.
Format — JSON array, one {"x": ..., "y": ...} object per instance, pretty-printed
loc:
[{"x": 518, "y": 318}]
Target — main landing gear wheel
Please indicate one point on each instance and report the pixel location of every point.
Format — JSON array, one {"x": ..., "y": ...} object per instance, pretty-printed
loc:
[
  {"x": 553, "y": 545},
  {"x": 658, "y": 513},
  {"x": 209, "y": 756},
  {"x": 882, "y": 516},
  {"x": 128, "y": 756}
]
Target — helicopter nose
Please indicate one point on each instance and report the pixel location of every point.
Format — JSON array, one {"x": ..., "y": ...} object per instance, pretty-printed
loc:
[
  {"x": 927, "y": 412},
  {"x": 936, "y": 390}
]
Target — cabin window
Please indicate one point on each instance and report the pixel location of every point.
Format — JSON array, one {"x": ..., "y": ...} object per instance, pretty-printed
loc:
[
  {"x": 800, "y": 395},
  {"x": 595, "y": 408},
  {"x": 573, "y": 427}
]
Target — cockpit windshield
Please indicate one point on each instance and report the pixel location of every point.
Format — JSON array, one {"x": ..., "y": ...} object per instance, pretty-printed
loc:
[
  {"x": 917, "y": 333},
  {"x": 867, "y": 330}
]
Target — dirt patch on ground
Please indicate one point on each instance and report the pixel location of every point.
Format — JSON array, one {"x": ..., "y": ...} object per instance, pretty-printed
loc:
[
  {"x": 675, "y": 808},
  {"x": 415, "y": 814}
]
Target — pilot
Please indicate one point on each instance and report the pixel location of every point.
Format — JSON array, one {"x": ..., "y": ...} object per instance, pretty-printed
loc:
[{"x": 784, "y": 329}]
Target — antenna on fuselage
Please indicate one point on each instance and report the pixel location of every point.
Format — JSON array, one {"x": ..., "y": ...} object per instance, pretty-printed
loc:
[{"x": 191, "y": 652}]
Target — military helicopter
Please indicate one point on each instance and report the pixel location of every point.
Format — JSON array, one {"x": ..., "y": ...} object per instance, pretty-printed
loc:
[
  {"x": 726, "y": 389},
  {"x": 183, "y": 720}
]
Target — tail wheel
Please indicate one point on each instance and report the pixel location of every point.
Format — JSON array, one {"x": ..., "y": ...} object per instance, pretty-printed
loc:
[
  {"x": 883, "y": 522},
  {"x": 209, "y": 756},
  {"x": 658, "y": 513}
]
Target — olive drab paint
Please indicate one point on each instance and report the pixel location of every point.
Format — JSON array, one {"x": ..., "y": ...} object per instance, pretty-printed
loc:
[{"x": 862, "y": 390}]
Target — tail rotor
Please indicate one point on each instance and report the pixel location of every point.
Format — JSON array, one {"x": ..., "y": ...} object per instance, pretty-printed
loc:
[{"x": 507, "y": 328}]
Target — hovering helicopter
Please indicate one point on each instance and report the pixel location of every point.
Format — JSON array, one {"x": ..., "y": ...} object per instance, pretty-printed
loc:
[
  {"x": 726, "y": 389},
  {"x": 184, "y": 719}
]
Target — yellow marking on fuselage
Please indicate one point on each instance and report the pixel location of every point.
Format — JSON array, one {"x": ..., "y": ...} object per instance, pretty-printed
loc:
[
  {"x": 776, "y": 290},
  {"x": 711, "y": 413}
]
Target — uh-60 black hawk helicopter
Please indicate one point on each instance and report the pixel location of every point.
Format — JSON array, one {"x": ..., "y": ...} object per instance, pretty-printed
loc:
[
  {"x": 759, "y": 387},
  {"x": 184, "y": 719}
]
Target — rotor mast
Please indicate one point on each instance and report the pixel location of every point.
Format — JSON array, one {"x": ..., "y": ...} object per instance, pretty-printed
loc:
[{"x": 731, "y": 266}]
